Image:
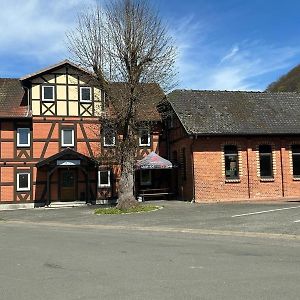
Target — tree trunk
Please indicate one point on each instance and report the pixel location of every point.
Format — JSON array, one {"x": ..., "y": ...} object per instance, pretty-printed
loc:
[{"x": 126, "y": 198}]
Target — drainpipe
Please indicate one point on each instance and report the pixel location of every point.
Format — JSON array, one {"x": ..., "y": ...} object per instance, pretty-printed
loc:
[
  {"x": 193, "y": 167},
  {"x": 248, "y": 171},
  {"x": 281, "y": 167}
]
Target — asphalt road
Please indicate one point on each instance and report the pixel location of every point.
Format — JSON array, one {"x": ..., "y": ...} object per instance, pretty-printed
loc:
[{"x": 72, "y": 254}]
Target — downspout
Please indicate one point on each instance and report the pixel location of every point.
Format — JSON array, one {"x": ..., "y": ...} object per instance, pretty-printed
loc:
[
  {"x": 281, "y": 167},
  {"x": 193, "y": 168},
  {"x": 248, "y": 171}
]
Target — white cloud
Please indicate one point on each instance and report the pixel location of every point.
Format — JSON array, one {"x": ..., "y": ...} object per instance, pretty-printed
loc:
[
  {"x": 242, "y": 69},
  {"x": 231, "y": 54},
  {"x": 205, "y": 63},
  {"x": 36, "y": 28}
]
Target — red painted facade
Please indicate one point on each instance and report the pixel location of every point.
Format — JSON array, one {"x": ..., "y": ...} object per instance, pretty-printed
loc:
[{"x": 69, "y": 175}]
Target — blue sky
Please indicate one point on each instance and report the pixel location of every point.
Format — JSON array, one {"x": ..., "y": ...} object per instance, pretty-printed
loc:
[{"x": 223, "y": 44}]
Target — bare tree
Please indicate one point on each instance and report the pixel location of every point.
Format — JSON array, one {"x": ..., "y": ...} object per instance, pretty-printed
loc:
[{"x": 127, "y": 46}]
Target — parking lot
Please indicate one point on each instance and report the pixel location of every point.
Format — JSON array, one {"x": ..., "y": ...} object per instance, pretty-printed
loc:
[
  {"x": 182, "y": 251},
  {"x": 267, "y": 219}
]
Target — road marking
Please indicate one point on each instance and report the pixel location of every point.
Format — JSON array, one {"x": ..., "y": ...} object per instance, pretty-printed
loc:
[
  {"x": 298, "y": 221},
  {"x": 208, "y": 232},
  {"x": 265, "y": 211}
]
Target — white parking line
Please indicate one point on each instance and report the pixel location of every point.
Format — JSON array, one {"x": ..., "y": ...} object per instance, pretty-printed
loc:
[
  {"x": 265, "y": 211},
  {"x": 298, "y": 221}
]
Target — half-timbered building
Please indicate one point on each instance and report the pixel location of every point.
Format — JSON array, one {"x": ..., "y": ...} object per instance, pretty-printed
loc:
[{"x": 51, "y": 137}]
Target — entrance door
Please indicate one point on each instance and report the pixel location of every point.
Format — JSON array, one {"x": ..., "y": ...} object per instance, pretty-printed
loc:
[{"x": 68, "y": 185}]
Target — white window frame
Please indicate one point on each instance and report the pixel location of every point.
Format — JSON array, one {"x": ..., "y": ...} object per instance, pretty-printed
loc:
[
  {"x": 19, "y": 189},
  {"x": 145, "y": 183},
  {"x": 106, "y": 184},
  {"x": 104, "y": 140},
  {"x": 149, "y": 137},
  {"x": 18, "y": 137},
  {"x": 51, "y": 86},
  {"x": 85, "y": 87},
  {"x": 63, "y": 137}
]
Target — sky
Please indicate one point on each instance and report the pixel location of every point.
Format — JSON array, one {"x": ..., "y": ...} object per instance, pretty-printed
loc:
[{"x": 222, "y": 44}]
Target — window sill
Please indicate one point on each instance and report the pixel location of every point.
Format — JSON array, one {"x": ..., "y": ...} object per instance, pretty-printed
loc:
[
  {"x": 23, "y": 190},
  {"x": 23, "y": 146},
  {"x": 109, "y": 146},
  {"x": 232, "y": 180},
  {"x": 296, "y": 178},
  {"x": 267, "y": 179}
]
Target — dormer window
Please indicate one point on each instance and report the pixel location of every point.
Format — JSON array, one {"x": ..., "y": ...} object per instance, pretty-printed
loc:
[
  {"x": 48, "y": 93},
  {"x": 85, "y": 94}
]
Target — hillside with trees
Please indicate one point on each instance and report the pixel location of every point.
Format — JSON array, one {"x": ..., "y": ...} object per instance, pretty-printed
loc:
[{"x": 287, "y": 83}]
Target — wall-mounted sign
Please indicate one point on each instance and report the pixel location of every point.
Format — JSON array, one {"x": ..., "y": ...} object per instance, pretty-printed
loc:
[{"x": 70, "y": 162}]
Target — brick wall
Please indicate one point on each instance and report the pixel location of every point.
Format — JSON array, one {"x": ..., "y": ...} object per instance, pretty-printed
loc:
[{"x": 209, "y": 169}]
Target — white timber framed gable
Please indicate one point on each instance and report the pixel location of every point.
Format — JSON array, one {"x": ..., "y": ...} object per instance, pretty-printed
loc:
[{"x": 65, "y": 91}]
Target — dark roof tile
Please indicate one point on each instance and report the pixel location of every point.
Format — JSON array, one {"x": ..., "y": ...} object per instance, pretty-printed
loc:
[
  {"x": 236, "y": 113},
  {"x": 12, "y": 100}
]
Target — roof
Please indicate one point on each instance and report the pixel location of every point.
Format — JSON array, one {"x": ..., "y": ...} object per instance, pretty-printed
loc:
[
  {"x": 67, "y": 153},
  {"x": 150, "y": 95},
  {"x": 154, "y": 161},
  {"x": 12, "y": 98},
  {"x": 55, "y": 66},
  {"x": 236, "y": 113}
]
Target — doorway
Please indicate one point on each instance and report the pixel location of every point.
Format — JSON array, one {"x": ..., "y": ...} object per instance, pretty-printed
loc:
[{"x": 68, "y": 186}]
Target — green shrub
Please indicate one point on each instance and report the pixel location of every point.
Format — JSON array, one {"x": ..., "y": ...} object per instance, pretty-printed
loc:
[{"x": 116, "y": 211}]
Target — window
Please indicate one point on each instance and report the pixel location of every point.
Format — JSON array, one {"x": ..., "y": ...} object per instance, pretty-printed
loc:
[
  {"x": 265, "y": 161},
  {"x": 23, "y": 137},
  {"x": 296, "y": 160},
  {"x": 23, "y": 181},
  {"x": 109, "y": 137},
  {"x": 145, "y": 177},
  {"x": 67, "y": 136},
  {"x": 231, "y": 162},
  {"x": 85, "y": 94},
  {"x": 144, "y": 139},
  {"x": 48, "y": 93},
  {"x": 104, "y": 178}
]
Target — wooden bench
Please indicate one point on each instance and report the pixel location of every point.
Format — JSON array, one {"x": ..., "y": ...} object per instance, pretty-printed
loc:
[{"x": 154, "y": 193}]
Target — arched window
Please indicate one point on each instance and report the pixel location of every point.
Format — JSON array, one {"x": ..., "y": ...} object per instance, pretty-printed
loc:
[
  {"x": 296, "y": 160},
  {"x": 231, "y": 162},
  {"x": 266, "y": 161}
]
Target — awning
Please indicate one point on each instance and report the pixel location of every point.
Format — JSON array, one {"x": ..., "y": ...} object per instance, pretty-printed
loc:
[
  {"x": 68, "y": 157},
  {"x": 154, "y": 161}
]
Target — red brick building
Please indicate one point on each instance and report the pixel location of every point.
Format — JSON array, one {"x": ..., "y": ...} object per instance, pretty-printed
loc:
[
  {"x": 234, "y": 145},
  {"x": 226, "y": 145},
  {"x": 51, "y": 136}
]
